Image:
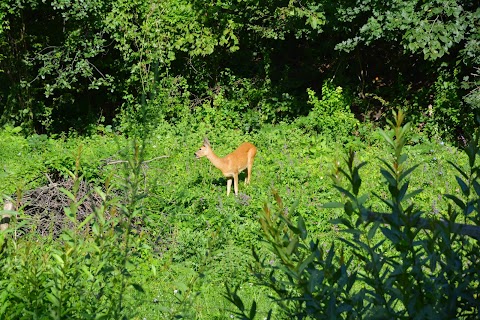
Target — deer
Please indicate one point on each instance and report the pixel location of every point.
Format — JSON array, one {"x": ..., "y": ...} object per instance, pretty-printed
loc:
[{"x": 232, "y": 164}]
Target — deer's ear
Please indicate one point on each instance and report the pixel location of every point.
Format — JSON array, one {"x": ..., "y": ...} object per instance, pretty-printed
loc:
[{"x": 206, "y": 142}]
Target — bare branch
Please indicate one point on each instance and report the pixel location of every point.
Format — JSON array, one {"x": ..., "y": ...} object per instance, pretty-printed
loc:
[{"x": 125, "y": 161}]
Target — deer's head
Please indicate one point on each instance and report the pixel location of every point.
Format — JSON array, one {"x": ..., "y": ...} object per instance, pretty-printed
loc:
[{"x": 204, "y": 149}]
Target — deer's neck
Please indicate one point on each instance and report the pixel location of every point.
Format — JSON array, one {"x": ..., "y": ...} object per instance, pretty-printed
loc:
[{"x": 216, "y": 160}]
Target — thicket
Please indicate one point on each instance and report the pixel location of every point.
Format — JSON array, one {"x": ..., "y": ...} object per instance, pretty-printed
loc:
[
  {"x": 69, "y": 65},
  {"x": 392, "y": 250}
]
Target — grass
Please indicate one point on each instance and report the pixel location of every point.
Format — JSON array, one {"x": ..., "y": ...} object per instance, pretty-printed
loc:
[{"x": 195, "y": 239}]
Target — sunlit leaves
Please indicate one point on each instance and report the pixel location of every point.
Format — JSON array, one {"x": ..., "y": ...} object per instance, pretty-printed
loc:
[
  {"x": 430, "y": 28},
  {"x": 437, "y": 28}
]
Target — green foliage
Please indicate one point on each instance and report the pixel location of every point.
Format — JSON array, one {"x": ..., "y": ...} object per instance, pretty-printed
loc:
[
  {"x": 188, "y": 238},
  {"x": 244, "y": 63},
  {"x": 167, "y": 102},
  {"x": 432, "y": 28},
  {"x": 447, "y": 113},
  {"x": 473, "y": 97},
  {"x": 269, "y": 19},
  {"x": 392, "y": 264},
  {"x": 54, "y": 63},
  {"x": 446, "y": 108},
  {"x": 86, "y": 273},
  {"x": 241, "y": 103},
  {"x": 331, "y": 115},
  {"x": 29, "y": 162}
]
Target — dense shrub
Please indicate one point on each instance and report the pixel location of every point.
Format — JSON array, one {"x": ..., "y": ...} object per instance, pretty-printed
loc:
[
  {"x": 243, "y": 62},
  {"x": 331, "y": 115}
]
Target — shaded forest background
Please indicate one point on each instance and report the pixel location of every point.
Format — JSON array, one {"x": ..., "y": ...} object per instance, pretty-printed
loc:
[{"x": 81, "y": 65}]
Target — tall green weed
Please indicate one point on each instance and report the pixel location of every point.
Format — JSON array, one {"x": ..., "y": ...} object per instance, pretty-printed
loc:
[
  {"x": 86, "y": 273},
  {"x": 395, "y": 263}
]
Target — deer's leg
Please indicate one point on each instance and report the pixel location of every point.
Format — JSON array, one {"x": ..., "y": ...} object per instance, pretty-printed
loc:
[
  {"x": 235, "y": 182},
  {"x": 249, "y": 173},
  {"x": 249, "y": 169},
  {"x": 229, "y": 185}
]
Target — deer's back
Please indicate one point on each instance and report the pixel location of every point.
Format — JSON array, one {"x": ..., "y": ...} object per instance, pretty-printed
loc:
[{"x": 241, "y": 155}]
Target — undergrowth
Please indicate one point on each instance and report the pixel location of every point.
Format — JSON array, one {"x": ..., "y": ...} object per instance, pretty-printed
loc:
[{"x": 166, "y": 227}]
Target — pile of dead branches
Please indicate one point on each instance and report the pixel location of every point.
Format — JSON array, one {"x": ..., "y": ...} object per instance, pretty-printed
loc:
[{"x": 44, "y": 206}]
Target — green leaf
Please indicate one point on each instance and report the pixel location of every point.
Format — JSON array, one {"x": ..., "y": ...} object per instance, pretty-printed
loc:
[
  {"x": 463, "y": 186},
  {"x": 253, "y": 310},
  {"x": 87, "y": 272},
  {"x": 330, "y": 255},
  {"x": 67, "y": 193},
  {"x": 101, "y": 316},
  {"x": 402, "y": 159},
  {"x": 457, "y": 201},
  {"x": 294, "y": 229},
  {"x": 345, "y": 192},
  {"x": 388, "y": 202},
  {"x": 316, "y": 279},
  {"x": 342, "y": 221},
  {"x": 373, "y": 230},
  {"x": 16, "y": 129},
  {"x": 389, "y": 177},
  {"x": 4, "y": 302},
  {"x": 58, "y": 258},
  {"x": 100, "y": 192},
  {"x": 138, "y": 287},
  {"x": 87, "y": 220},
  {"x": 302, "y": 227},
  {"x": 407, "y": 172},
  {"x": 292, "y": 246},
  {"x": 355, "y": 232},
  {"x": 387, "y": 138},
  {"x": 387, "y": 164},
  {"x": 402, "y": 191},
  {"x": 333, "y": 205},
  {"x": 69, "y": 213},
  {"x": 53, "y": 299},
  {"x": 305, "y": 263},
  {"x": 238, "y": 301},
  {"x": 96, "y": 229},
  {"x": 459, "y": 169},
  {"x": 412, "y": 194},
  {"x": 406, "y": 128},
  {"x": 391, "y": 235},
  {"x": 154, "y": 270},
  {"x": 362, "y": 199},
  {"x": 351, "y": 244},
  {"x": 476, "y": 186}
]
